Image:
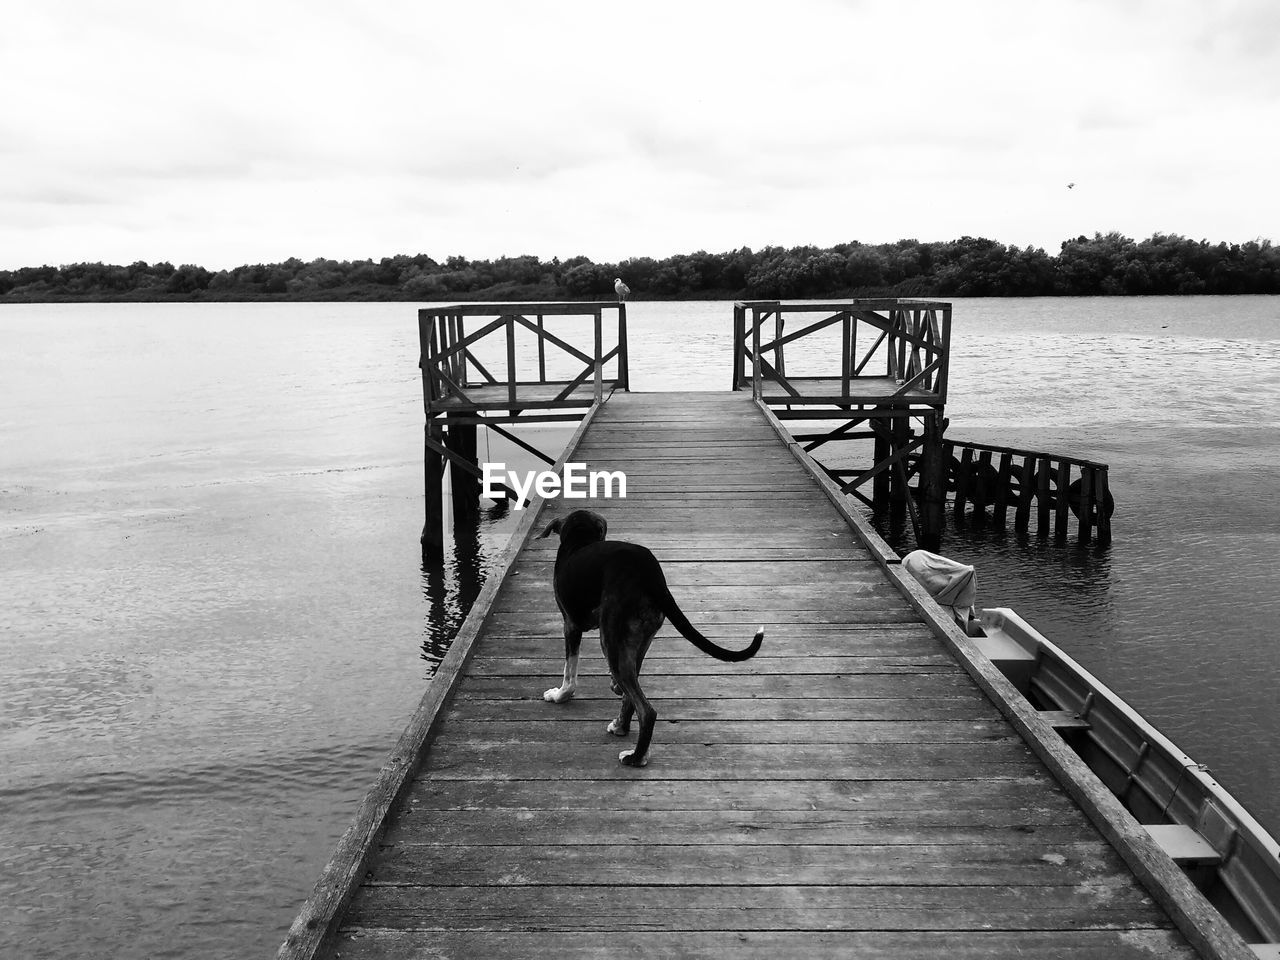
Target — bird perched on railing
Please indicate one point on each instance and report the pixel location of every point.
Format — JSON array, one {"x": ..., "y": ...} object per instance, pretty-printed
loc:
[{"x": 622, "y": 290}]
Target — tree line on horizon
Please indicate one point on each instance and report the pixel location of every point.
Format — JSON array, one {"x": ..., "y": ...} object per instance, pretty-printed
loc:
[{"x": 1104, "y": 264}]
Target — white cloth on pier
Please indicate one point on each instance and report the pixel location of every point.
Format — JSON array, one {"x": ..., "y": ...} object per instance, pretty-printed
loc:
[{"x": 952, "y": 584}]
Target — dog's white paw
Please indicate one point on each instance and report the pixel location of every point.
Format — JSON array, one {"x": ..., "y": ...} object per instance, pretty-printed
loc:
[
  {"x": 628, "y": 758},
  {"x": 616, "y": 729},
  {"x": 558, "y": 694}
]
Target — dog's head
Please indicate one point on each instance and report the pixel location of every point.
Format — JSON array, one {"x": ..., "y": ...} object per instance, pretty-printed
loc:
[{"x": 577, "y": 529}]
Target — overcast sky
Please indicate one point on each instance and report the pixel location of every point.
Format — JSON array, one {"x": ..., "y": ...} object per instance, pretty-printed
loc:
[{"x": 229, "y": 133}]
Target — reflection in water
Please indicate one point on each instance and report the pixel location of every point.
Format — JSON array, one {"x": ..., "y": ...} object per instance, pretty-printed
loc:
[
  {"x": 451, "y": 585},
  {"x": 451, "y": 582}
]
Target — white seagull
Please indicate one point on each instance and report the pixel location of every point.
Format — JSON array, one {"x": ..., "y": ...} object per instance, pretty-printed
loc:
[{"x": 621, "y": 289}]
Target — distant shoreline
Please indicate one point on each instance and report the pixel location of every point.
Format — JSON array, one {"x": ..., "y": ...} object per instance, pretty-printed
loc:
[
  {"x": 523, "y": 298},
  {"x": 1101, "y": 265}
]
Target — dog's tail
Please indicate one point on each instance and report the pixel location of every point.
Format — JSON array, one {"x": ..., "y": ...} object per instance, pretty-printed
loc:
[{"x": 690, "y": 633}]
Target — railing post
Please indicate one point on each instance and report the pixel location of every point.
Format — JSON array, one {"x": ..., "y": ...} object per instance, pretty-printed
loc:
[
  {"x": 599, "y": 353},
  {"x": 940, "y": 378},
  {"x": 542, "y": 353},
  {"x": 900, "y": 327},
  {"x": 624, "y": 365},
  {"x": 511, "y": 358},
  {"x": 779, "y": 359},
  {"x": 755, "y": 352},
  {"x": 425, "y": 322},
  {"x": 846, "y": 352},
  {"x": 739, "y": 344}
]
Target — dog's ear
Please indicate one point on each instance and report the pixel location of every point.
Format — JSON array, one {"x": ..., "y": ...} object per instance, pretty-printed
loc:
[
  {"x": 602, "y": 524},
  {"x": 552, "y": 527}
]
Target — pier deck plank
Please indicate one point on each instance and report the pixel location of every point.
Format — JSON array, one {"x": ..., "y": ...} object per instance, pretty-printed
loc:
[{"x": 848, "y": 793}]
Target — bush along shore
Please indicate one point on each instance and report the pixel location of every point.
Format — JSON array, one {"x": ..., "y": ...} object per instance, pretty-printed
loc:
[{"x": 1104, "y": 264}]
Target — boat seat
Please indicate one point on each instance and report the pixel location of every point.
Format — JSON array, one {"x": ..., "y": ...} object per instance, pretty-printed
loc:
[
  {"x": 1183, "y": 844},
  {"x": 1064, "y": 720},
  {"x": 1266, "y": 951}
]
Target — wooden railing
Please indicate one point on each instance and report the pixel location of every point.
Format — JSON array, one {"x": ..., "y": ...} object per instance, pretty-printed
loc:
[
  {"x": 888, "y": 350},
  {"x": 1052, "y": 486},
  {"x": 480, "y": 370},
  {"x": 486, "y": 378}
]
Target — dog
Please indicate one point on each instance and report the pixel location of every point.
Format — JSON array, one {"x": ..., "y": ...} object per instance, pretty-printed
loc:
[{"x": 618, "y": 587}]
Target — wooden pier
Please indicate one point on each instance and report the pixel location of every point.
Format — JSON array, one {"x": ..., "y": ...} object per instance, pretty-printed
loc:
[{"x": 868, "y": 786}]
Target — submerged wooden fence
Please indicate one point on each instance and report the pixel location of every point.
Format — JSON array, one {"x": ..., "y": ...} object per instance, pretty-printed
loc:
[{"x": 1053, "y": 487}]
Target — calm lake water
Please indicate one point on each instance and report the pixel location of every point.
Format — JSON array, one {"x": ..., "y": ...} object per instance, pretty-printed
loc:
[{"x": 215, "y": 619}]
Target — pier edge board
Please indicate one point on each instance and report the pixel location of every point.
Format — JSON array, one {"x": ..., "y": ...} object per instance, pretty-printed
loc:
[
  {"x": 314, "y": 931},
  {"x": 1206, "y": 930}
]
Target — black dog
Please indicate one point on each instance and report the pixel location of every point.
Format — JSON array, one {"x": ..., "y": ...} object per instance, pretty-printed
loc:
[{"x": 618, "y": 587}]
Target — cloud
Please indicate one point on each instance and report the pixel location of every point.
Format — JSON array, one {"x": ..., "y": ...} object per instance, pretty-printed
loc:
[{"x": 156, "y": 131}]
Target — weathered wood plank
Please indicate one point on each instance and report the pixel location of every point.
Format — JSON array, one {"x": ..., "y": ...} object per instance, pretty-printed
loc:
[
  {"x": 714, "y": 596},
  {"x": 955, "y": 801},
  {"x": 512, "y": 666},
  {"x": 696, "y": 828},
  {"x": 1131, "y": 944},
  {"x": 745, "y": 686},
  {"x": 961, "y": 706},
  {"x": 559, "y": 726},
  {"x": 1079, "y": 906},
  {"x": 789, "y": 640},
  {"x": 1009, "y": 857},
  {"x": 837, "y": 847},
  {"x": 568, "y": 760},
  {"x": 760, "y": 571}
]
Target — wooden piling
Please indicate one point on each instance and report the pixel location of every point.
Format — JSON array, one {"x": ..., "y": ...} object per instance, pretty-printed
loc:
[
  {"x": 463, "y": 484},
  {"x": 1026, "y": 493},
  {"x": 962, "y": 483},
  {"x": 1086, "y": 504},
  {"x": 1004, "y": 487},
  {"x": 982, "y": 494},
  {"x": 433, "y": 492},
  {"x": 880, "y": 484},
  {"x": 1060, "y": 501},
  {"x": 1102, "y": 499},
  {"x": 933, "y": 483},
  {"x": 899, "y": 491},
  {"x": 1043, "y": 510}
]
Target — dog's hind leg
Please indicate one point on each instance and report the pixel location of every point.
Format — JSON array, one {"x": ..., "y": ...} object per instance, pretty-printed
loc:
[
  {"x": 622, "y": 726},
  {"x": 624, "y": 664},
  {"x": 572, "y": 641},
  {"x": 634, "y": 698}
]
